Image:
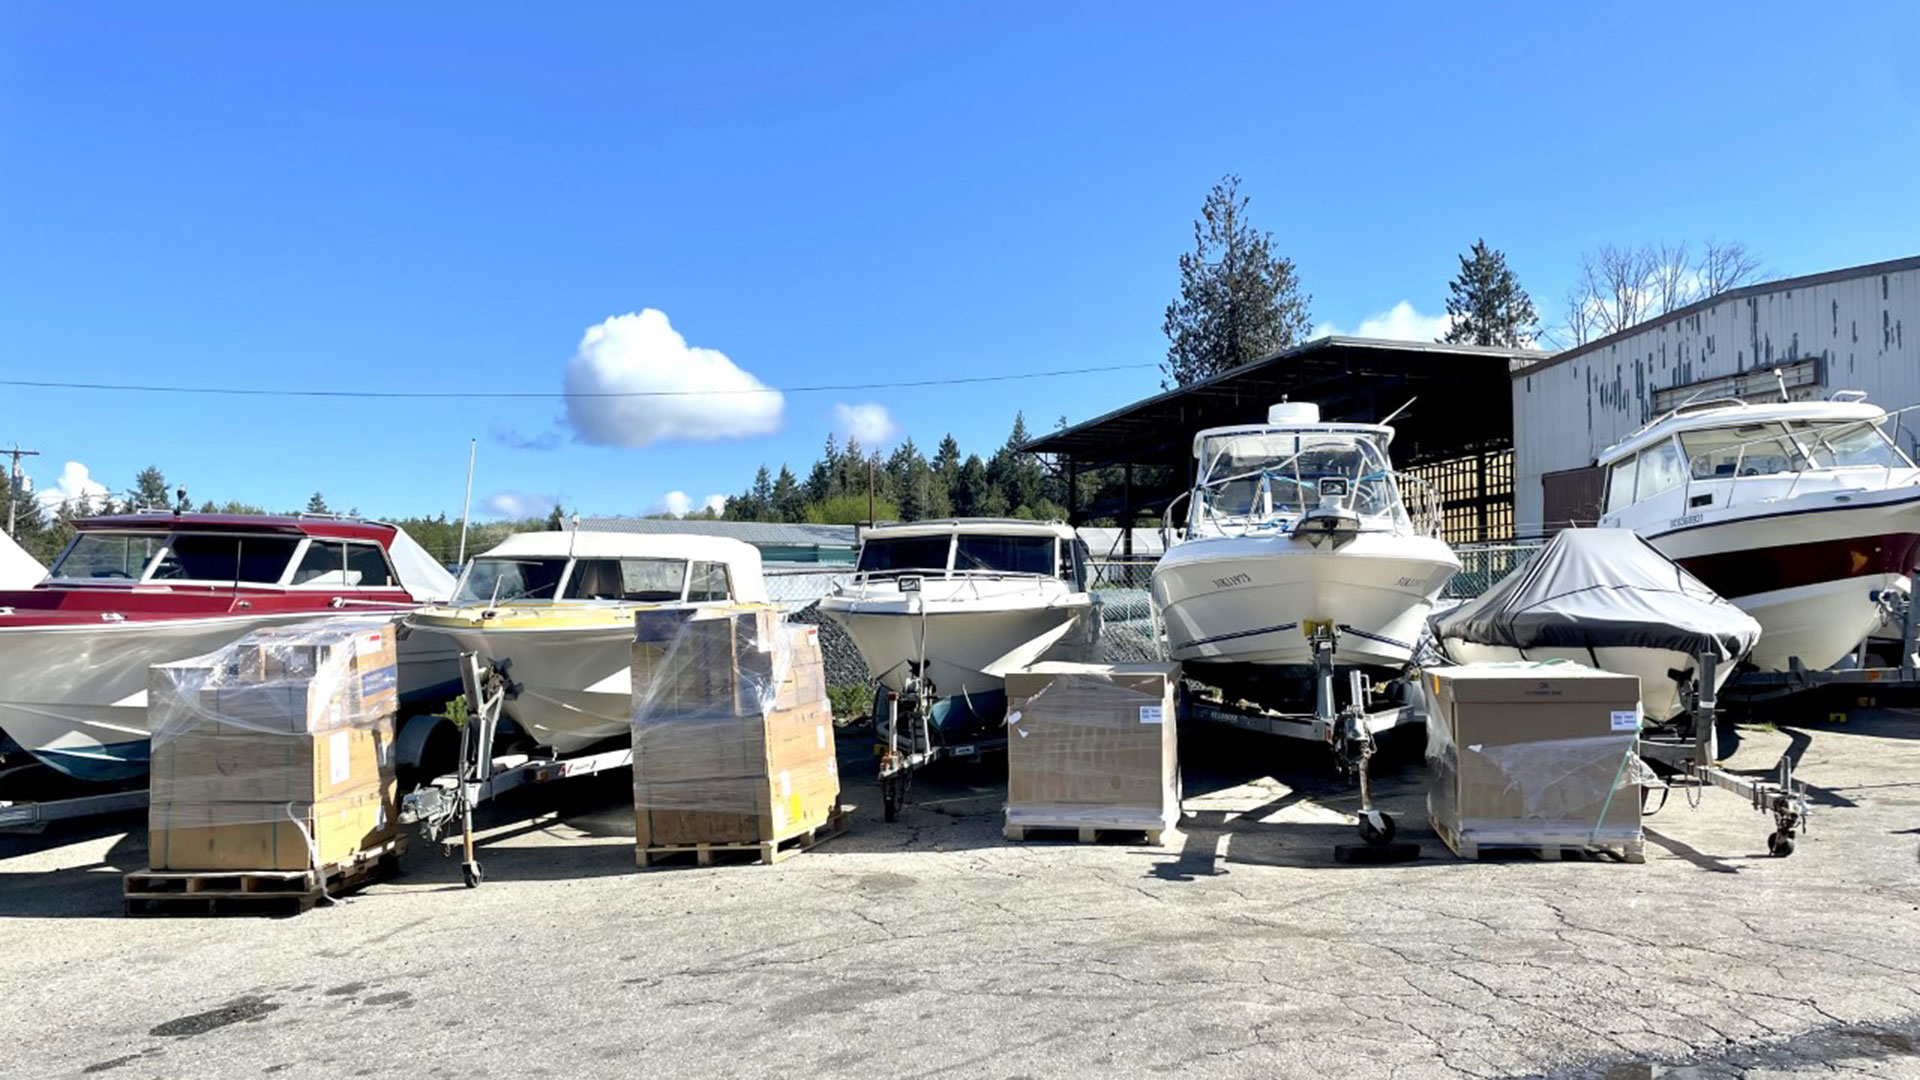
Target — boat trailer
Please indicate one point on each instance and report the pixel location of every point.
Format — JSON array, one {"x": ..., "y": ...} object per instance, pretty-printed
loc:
[
  {"x": 906, "y": 739},
  {"x": 1690, "y": 752},
  {"x": 1899, "y": 610},
  {"x": 445, "y": 805}
]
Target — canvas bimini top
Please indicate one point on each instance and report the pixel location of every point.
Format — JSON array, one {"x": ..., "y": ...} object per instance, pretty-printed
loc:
[{"x": 1602, "y": 588}]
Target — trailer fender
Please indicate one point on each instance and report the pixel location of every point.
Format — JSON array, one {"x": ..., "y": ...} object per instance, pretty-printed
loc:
[{"x": 421, "y": 735}]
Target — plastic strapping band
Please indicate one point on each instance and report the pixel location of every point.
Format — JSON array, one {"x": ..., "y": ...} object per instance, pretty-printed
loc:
[{"x": 1594, "y": 836}]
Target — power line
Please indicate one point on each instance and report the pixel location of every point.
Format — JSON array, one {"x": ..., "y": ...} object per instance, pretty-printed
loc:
[
  {"x": 237, "y": 391},
  {"x": 13, "y": 483}
]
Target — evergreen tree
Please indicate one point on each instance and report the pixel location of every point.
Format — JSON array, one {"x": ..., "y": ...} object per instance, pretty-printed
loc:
[
  {"x": 207, "y": 507},
  {"x": 556, "y": 519},
  {"x": 1017, "y": 476},
  {"x": 762, "y": 494},
  {"x": 851, "y": 470},
  {"x": 149, "y": 490},
  {"x": 317, "y": 504},
  {"x": 789, "y": 505},
  {"x": 1487, "y": 303},
  {"x": 823, "y": 481},
  {"x": 970, "y": 493},
  {"x": 1238, "y": 301}
]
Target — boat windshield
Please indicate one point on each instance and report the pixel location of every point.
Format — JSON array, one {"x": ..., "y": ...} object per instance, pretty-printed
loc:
[
  {"x": 905, "y": 554},
  {"x": 1796, "y": 446},
  {"x": 1005, "y": 554},
  {"x": 1262, "y": 475},
  {"x": 108, "y": 556},
  {"x": 255, "y": 560},
  {"x": 492, "y": 578}
]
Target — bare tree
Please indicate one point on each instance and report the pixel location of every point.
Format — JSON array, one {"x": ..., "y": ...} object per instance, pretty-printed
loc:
[
  {"x": 1671, "y": 282},
  {"x": 1727, "y": 265}
]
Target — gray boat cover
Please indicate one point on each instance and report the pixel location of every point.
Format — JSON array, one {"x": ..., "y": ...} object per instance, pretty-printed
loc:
[{"x": 1601, "y": 588}]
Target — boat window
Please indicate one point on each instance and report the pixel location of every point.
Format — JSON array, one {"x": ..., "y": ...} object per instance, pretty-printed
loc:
[
  {"x": 107, "y": 556},
  {"x": 257, "y": 560},
  {"x": 1840, "y": 445},
  {"x": 1082, "y": 564},
  {"x": 506, "y": 578},
  {"x": 650, "y": 581},
  {"x": 1254, "y": 475},
  {"x": 1620, "y": 484},
  {"x": 1660, "y": 470},
  {"x": 1745, "y": 450},
  {"x": 368, "y": 563},
  {"x": 1006, "y": 554},
  {"x": 905, "y": 555},
  {"x": 708, "y": 582},
  {"x": 343, "y": 565}
]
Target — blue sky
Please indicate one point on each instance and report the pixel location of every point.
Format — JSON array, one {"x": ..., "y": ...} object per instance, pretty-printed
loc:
[{"x": 450, "y": 198}]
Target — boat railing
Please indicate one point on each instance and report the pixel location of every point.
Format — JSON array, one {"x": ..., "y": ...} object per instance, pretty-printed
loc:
[
  {"x": 1418, "y": 500},
  {"x": 1425, "y": 510},
  {"x": 1731, "y": 483}
]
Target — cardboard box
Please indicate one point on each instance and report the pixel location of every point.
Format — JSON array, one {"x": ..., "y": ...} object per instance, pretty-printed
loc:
[
  {"x": 712, "y": 763},
  {"x": 222, "y": 763},
  {"x": 1529, "y": 755},
  {"x": 195, "y": 835},
  {"x": 1093, "y": 746}
]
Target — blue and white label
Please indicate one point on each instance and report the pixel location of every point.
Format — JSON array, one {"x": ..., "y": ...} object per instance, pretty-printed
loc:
[
  {"x": 1151, "y": 714},
  {"x": 1626, "y": 719}
]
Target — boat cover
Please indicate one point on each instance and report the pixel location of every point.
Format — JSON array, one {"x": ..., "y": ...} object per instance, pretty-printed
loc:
[
  {"x": 1602, "y": 588},
  {"x": 18, "y": 570},
  {"x": 423, "y": 577}
]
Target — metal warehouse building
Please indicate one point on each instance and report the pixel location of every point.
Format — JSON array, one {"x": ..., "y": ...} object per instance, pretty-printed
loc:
[{"x": 1855, "y": 329}]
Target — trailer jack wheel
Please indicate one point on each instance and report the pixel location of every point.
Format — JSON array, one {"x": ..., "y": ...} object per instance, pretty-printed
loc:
[
  {"x": 471, "y": 873},
  {"x": 893, "y": 794},
  {"x": 1376, "y": 828},
  {"x": 1780, "y": 844}
]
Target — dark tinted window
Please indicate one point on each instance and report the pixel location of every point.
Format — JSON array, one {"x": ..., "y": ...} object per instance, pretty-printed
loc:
[
  {"x": 368, "y": 564},
  {"x": 509, "y": 578},
  {"x": 927, "y": 554},
  {"x": 258, "y": 560},
  {"x": 1007, "y": 554}
]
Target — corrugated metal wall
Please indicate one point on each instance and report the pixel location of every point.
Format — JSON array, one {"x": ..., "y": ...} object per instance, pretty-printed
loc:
[{"x": 1866, "y": 327}]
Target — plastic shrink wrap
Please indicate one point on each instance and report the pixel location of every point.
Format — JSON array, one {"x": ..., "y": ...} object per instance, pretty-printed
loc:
[
  {"x": 276, "y": 752},
  {"x": 1092, "y": 746}
]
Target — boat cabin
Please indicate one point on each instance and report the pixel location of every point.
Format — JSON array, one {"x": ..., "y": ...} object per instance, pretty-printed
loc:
[
  {"x": 977, "y": 547},
  {"x": 229, "y": 551},
  {"x": 1706, "y": 458},
  {"x": 570, "y": 567},
  {"x": 1255, "y": 479}
]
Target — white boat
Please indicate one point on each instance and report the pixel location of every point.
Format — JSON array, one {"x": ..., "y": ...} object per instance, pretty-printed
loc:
[
  {"x": 1294, "y": 525},
  {"x": 556, "y": 609},
  {"x": 135, "y": 590},
  {"x": 1804, "y": 514},
  {"x": 959, "y": 603},
  {"x": 1609, "y": 599},
  {"x": 18, "y": 570}
]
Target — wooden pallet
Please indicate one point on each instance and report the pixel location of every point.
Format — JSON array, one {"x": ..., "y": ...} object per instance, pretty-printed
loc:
[
  {"x": 255, "y": 892},
  {"x": 1092, "y": 834},
  {"x": 1628, "y": 851},
  {"x": 764, "y": 852}
]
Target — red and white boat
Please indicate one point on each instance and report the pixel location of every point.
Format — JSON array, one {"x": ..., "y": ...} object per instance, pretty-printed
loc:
[
  {"x": 135, "y": 590},
  {"x": 1803, "y": 513}
]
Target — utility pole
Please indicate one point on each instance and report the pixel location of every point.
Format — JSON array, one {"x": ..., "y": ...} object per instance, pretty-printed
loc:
[
  {"x": 870, "y": 521},
  {"x": 13, "y": 482}
]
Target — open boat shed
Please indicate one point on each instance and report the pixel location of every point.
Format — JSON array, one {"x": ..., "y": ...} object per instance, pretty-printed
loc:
[{"x": 1457, "y": 434}]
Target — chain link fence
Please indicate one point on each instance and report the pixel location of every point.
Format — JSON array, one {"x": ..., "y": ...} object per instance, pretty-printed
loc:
[{"x": 1483, "y": 565}]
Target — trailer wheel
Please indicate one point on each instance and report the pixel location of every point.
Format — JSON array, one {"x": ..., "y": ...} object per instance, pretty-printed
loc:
[
  {"x": 893, "y": 792},
  {"x": 1780, "y": 844},
  {"x": 1377, "y": 835},
  {"x": 472, "y": 874}
]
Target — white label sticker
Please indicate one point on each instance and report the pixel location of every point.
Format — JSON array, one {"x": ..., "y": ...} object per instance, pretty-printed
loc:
[
  {"x": 1151, "y": 714},
  {"x": 820, "y": 736},
  {"x": 1013, "y": 717},
  {"x": 339, "y": 757},
  {"x": 786, "y": 785},
  {"x": 1626, "y": 719}
]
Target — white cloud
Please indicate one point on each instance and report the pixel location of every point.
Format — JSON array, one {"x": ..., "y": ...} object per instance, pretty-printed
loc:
[
  {"x": 1398, "y": 323},
  {"x": 870, "y": 423},
  {"x": 679, "y": 504},
  {"x": 698, "y": 393},
  {"x": 518, "y": 504},
  {"x": 75, "y": 483}
]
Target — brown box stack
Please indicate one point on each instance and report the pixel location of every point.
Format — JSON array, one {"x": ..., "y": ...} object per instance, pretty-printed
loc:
[
  {"x": 1529, "y": 755},
  {"x": 732, "y": 736},
  {"x": 275, "y": 753},
  {"x": 1093, "y": 746}
]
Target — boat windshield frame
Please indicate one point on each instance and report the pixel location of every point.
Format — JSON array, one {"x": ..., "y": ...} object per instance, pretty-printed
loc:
[
  {"x": 691, "y": 570},
  {"x": 164, "y": 541},
  {"x": 1065, "y": 567},
  {"x": 1279, "y": 491}
]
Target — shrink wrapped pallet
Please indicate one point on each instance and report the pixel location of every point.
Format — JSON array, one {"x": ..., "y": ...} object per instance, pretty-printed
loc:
[
  {"x": 732, "y": 735},
  {"x": 276, "y": 752},
  {"x": 1534, "y": 756},
  {"x": 1092, "y": 746}
]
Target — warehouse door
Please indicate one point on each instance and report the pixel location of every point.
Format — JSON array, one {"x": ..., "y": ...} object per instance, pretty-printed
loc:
[{"x": 1572, "y": 497}]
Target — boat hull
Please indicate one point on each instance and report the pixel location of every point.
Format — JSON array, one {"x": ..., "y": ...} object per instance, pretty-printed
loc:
[
  {"x": 1245, "y": 600},
  {"x": 575, "y": 683},
  {"x": 76, "y": 697},
  {"x": 966, "y": 651},
  {"x": 1809, "y": 570}
]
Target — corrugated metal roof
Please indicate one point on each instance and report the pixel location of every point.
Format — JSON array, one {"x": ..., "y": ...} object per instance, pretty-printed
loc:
[{"x": 753, "y": 532}]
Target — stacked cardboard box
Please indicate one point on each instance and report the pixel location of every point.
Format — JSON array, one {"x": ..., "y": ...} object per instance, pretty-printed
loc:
[
  {"x": 276, "y": 752},
  {"x": 732, "y": 735},
  {"x": 1533, "y": 755},
  {"x": 1092, "y": 746}
]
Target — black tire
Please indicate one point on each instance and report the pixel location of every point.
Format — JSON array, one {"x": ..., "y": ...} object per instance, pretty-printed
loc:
[
  {"x": 472, "y": 874},
  {"x": 1381, "y": 836},
  {"x": 890, "y": 797},
  {"x": 1780, "y": 845}
]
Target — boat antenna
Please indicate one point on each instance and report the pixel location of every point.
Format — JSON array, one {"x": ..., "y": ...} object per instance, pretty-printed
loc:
[
  {"x": 572, "y": 533},
  {"x": 1782, "y": 380},
  {"x": 466, "y": 506},
  {"x": 1401, "y": 409}
]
